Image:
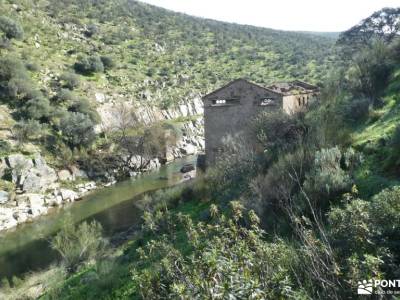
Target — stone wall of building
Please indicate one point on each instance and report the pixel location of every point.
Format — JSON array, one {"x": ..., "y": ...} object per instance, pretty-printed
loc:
[{"x": 243, "y": 101}]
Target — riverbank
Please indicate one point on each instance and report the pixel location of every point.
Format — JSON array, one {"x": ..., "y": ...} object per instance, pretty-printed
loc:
[
  {"x": 26, "y": 247},
  {"x": 30, "y": 188}
]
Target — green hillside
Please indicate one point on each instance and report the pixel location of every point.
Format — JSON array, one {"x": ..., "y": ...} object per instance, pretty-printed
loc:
[{"x": 159, "y": 56}]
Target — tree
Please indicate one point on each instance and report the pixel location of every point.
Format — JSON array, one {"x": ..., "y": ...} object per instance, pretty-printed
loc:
[
  {"x": 89, "y": 64},
  {"x": 370, "y": 73},
  {"x": 37, "y": 108},
  {"x": 77, "y": 130},
  {"x": 79, "y": 244},
  {"x": 10, "y": 28},
  {"x": 136, "y": 145},
  {"x": 69, "y": 80},
  {"x": 25, "y": 130},
  {"x": 383, "y": 25}
]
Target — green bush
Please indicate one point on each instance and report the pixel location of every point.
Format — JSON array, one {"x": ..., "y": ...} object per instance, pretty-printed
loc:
[
  {"x": 108, "y": 62},
  {"x": 328, "y": 177},
  {"x": 5, "y": 147},
  {"x": 82, "y": 105},
  {"x": 69, "y": 80},
  {"x": 77, "y": 130},
  {"x": 65, "y": 95},
  {"x": 228, "y": 262},
  {"x": 91, "y": 30},
  {"x": 15, "y": 83},
  {"x": 89, "y": 64},
  {"x": 356, "y": 110},
  {"x": 37, "y": 108},
  {"x": 10, "y": 28},
  {"x": 277, "y": 131},
  {"x": 79, "y": 244},
  {"x": 26, "y": 130}
]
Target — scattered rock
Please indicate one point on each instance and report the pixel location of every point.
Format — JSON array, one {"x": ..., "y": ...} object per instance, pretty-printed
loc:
[
  {"x": 65, "y": 175},
  {"x": 187, "y": 168},
  {"x": 68, "y": 195},
  {"x": 188, "y": 149},
  {"x": 4, "y": 197}
]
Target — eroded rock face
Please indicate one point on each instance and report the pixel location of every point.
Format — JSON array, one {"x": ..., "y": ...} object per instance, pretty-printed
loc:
[
  {"x": 65, "y": 175},
  {"x": 40, "y": 177},
  {"x": 20, "y": 166}
]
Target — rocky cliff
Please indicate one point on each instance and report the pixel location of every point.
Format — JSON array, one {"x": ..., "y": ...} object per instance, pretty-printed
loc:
[{"x": 29, "y": 187}]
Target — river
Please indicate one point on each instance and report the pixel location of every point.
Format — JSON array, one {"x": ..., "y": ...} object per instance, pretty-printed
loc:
[{"x": 27, "y": 247}]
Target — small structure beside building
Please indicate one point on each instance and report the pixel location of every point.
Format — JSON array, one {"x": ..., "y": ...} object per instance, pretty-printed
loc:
[{"x": 231, "y": 109}]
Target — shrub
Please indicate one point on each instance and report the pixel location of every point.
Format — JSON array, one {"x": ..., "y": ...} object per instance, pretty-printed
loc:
[
  {"x": 91, "y": 30},
  {"x": 82, "y": 105},
  {"x": 77, "y": 130},
  {"x": 14, "y": 80},
  {"x": 25, "y": 130},
  {"x": 37, "y": 108},
  {"x": 5, "y": 147},
  {"x": 356, "y": 110},
  {"x": 350, "y": 226},
  {"x": 327, "y": 177},
  {"x": 31, "y": 66},
  {"x": 69, "y": 80},
  {"x": 79, "y": 244},
  {"x": 277, "y": 131},
  {"x": 228, "y": 261},
  {"x": 10, "y": 28},
  {"x": 89, "y": 64},
  {"x": 108, "y": 62},
  {"x": 65, "y": 95}
]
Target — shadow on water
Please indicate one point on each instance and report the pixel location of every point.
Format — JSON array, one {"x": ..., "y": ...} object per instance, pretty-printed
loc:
[{"x": 27, "y": 247}]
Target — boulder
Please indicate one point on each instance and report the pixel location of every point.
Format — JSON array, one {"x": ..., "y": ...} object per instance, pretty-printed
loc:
[
  {"x": 40, "y": 177},
  {"x": 187, "y": 168},
  {"x": 7, "y": 219},
  {"x": 4, "y": 197},
  {"x": 68, "y": 195},
  {"x": 100, "y": 97},
  {"x": 52, "y": 200},
  {"x": 30, "y": 200},
  {"x": 77, "y": 173},
  {"x": 188, "y": 149},
  {"x": 20, "y": 166},
  {"x": 64, "y": 175},
  {"x": 21, "y": 215}
]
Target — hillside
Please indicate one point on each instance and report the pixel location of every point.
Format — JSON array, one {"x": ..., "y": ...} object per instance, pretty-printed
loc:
[
  {"x": 301, "y": 206},
  {"x": 90, "y": 86},
  {"x": 160, "y": 57}
]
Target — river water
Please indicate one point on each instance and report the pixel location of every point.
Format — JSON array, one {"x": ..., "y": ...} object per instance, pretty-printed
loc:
[{"x": 27, "y": 247}]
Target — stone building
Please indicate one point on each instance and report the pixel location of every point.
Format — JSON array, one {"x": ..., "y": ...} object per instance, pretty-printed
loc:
[{"x": 230, "y": 109}]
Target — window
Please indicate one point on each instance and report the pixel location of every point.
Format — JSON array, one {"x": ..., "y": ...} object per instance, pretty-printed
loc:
[
  {"x": 299, "y": 101},
  {"x": 267, "y": 102},
  {"x": 225, "y": 102}
]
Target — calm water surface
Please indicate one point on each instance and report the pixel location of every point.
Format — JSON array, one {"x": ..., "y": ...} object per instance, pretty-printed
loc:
[{"x": 26, "y": 248}]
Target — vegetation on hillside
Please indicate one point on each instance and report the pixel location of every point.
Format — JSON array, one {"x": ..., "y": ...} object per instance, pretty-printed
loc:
[
  {"x": 316, "y": 210},
  {"x": 57, "y": 55}
]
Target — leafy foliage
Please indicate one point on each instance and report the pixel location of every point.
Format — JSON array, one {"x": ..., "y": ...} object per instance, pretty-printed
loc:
[
  {"x": 79, "y": 244},
  {"x": 77, "y": 129},
  {"x": 10, "y": 28},
  {"x": 227, "y": 261},
  {"x": 383, "y": 24},
  {"x": 89, "y": 64}
]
